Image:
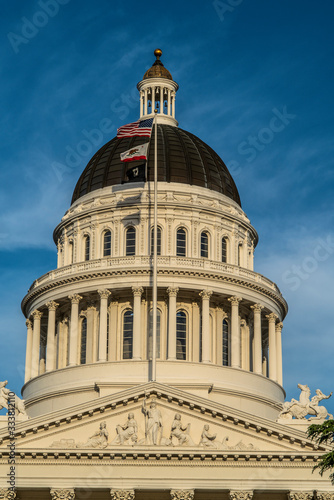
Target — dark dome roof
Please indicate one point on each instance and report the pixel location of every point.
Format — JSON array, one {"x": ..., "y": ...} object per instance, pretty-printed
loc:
[
  {"x": 182, "y": 157},
  {"x": 157, "y": 70}
]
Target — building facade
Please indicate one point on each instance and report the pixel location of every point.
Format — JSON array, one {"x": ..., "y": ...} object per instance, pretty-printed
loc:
[{"x": 210, "y": 425}]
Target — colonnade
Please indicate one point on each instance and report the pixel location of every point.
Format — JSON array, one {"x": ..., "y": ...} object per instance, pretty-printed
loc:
[
  {"x": 67, "y": 352},
  {"x": 157, "y": 94}
]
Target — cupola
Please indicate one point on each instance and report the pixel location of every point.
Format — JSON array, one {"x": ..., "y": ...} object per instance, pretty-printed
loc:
[{"x": 157, "y": 90}]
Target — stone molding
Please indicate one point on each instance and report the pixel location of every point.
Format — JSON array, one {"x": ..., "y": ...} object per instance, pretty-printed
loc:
[
  {"x": 240, "y": 495},
  {"x": 182, "y": 494},
  {"x": 300, "y": 495},
  {"x": 65, "y": 494},
  {"x": 325, "y": 495},
  {"x": 6, "y": 494},
  {"x": 122, "y": 494}
]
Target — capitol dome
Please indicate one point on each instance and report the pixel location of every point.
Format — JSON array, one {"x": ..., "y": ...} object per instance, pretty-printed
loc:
[
  {"x": 218, "y": 321},
  {"x": 182, "y": 158}
]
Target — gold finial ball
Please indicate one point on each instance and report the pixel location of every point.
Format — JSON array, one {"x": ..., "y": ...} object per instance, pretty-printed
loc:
[{"x": 158, "y": 53}]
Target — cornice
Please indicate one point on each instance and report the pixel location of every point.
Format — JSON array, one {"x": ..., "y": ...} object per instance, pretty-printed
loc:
[{"x": 87, "y": 275}]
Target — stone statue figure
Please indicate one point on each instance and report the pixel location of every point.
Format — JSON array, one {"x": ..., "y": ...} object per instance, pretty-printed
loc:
[
  {"x": 6, "y": 400},
  {"x": 153, "y": 423},
  {"x": 98, "y": 440},
  {"x": 300, "y": 409},
  {"x": 180, "y": 432},
  {"x": 208, "y": 439},
  {"x": 127, "y": 432}
]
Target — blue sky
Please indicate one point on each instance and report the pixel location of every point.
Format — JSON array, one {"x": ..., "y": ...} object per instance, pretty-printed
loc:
[{"x": 240, "y": 65}]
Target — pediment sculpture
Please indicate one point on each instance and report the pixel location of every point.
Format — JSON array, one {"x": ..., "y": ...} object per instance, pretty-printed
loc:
[{"x": 300, "y": 409}]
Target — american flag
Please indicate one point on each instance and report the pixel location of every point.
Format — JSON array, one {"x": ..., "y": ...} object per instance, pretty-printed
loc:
[{"x": 139, "y": 128}]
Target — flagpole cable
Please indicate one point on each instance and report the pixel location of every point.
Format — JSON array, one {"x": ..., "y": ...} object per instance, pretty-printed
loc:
[{"x": 155, "y": 252}]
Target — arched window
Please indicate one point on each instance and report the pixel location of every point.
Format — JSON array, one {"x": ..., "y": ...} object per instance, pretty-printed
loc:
[
  {"x": 224, "y": 249},
  {"x": 181, "y": 335},
  {"x": 181, "y": 240},
  {"x": 150, "y": 335},
  {"x": 87, "y": 247},
  {"x": 225, "y": 346},
  {"x": 204, "y": 244},
  {"x": 158, "y": 241},
  {"x": 107, "y": 244},
  {"x": 83, "y": 347},
  {"x": 130, "y": 243},
  {"x": 127, "y": 334}
]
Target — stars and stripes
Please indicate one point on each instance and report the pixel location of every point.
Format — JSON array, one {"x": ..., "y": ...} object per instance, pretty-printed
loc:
[{"x": 141, "y": 128}]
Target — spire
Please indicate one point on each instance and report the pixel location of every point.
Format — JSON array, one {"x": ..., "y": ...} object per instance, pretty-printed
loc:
[{"x": 157, "y": 90}]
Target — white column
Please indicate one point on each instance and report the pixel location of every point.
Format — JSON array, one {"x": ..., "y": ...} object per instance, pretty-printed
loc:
[
  {"x": 137, "y": 293},
  {"x": 74, "y": 325},
  {"x": 145, "y": 112},
  {"x": 172, "y": 292},
  {"x": 104, "y": 294},
  {"x": 235, "y": 332},
  {"x": 206, "y": 334},
  {"x": 50, "y": 343},
  {"x": 278, "y": 329},
  {"x": 257, "y": 353},
  {"x": 272, "y": 346},
  {"x": 153, "y": 99},
  {"x": 168, "y": 100},
  {"x": 142, "y": 103},
  {"x": 36, "y": 340},
  {"x": 91, "y": 344},
  {"x": 173, "y": 104},
  {"x": 28, "y": 351},
  {"x": 161, "y": 100}
]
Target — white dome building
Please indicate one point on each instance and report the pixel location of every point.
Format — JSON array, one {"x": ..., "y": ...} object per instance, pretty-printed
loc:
[{"x": 107, "y": 421}]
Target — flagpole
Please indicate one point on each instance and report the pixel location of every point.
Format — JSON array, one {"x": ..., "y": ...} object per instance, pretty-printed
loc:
[{"x": 155, "y": 252}]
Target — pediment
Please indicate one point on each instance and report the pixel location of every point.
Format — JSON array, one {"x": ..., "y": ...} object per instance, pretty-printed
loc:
[{"x": 155, "y": 416}]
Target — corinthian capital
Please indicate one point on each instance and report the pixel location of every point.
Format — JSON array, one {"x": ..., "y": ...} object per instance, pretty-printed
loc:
[
  {"x": 62, "y": 494},
  {"x": 240, "y": 495},
  {"x": 205, "y": 294},
  {"x": 182, "y": 494},
  {"x": 324, "y": 496},
  {"x": 36, "y": 314},
  {"x": 172, "y": 291},
  {"x": 272, "y": 317},
  {"x": 104, "y": 294},
  {"x": 300, "y": 495},
  {"x": 28, "y": 323},
  {"x": 52, "y": 305},
  {"x": 279, "y": 327},
  {"x": 257, "y": 308},
  {"x": 122, "y": 494},
  {"x": 234, "y": 300},
  {"x": 75, "y": 299},
  {"x": 5, "y": 494},
  {"x": 137, "y": 291}
]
